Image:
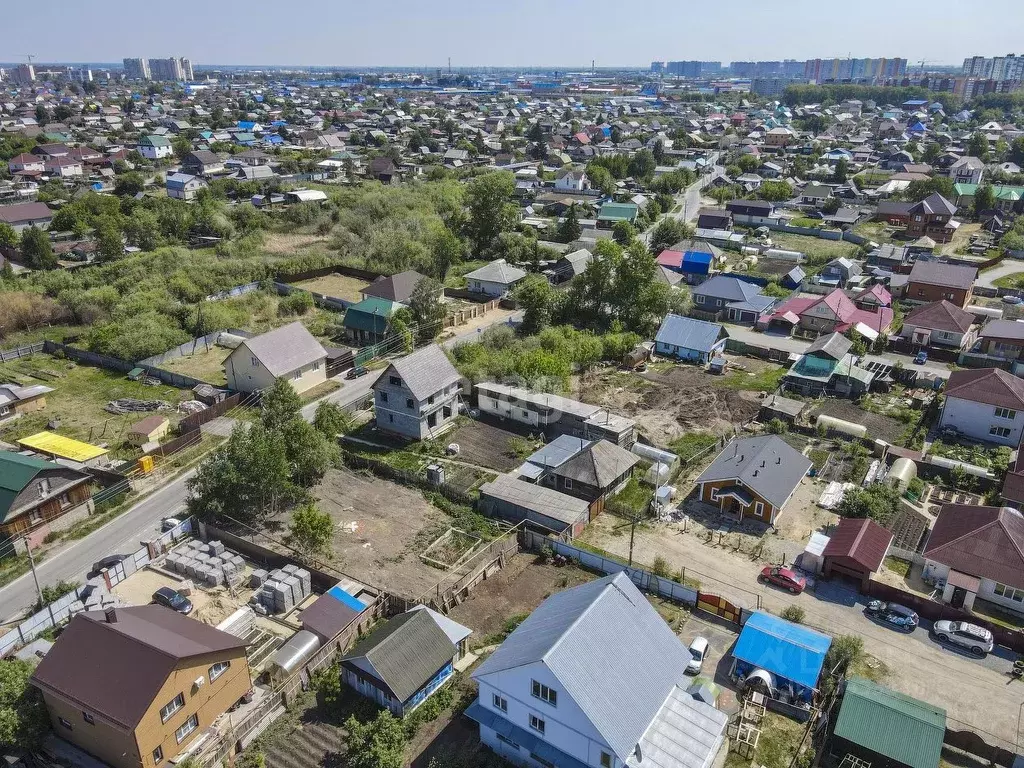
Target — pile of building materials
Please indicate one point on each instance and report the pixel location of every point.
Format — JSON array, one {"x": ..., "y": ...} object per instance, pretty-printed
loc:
[
  {"x": 131, "y": 405},
  {"x": 207, "y": 564},
  {"x": 281, "y": 589}
]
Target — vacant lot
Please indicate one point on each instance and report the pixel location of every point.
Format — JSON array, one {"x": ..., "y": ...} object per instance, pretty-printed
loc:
[
  {"x": 380, "y": 530},
  {"x": 79, "y": 396},
  {"x": 489, "y": 446},
  {"x": 679, "y": 398},
  {"x": 206, "y": 364},
  {"x": 813, "y": 246},
  {"x": 339, "y": 286},
  {"x": 878, "y": 426}
]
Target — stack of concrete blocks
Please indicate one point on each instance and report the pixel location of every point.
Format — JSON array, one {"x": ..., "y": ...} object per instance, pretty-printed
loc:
[
  {"x": 95, "y": 596},
  {"x": 208, "y": 564},
  {"x": 282, "y": 588}
]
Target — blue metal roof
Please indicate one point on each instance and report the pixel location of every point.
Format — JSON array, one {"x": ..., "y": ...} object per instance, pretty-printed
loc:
[
  {"x": 345, "y": 598},
  {"x": 787, "y": 650},
  {"x": 697, "y": 257},
  {"x": 688, "y": 333}
]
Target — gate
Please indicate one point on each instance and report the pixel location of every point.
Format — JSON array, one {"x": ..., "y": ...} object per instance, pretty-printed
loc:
[{"x": 718, "y": 606}]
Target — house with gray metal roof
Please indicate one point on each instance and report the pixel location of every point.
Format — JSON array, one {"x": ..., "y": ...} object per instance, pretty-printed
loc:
[
  {"x": 418, "y": 395},
  {"x": 597, "y": 471},
  {"x": 689, "y": 339},
  {"x": 289, "y": 352},
  {"x": 494, "y": 279},
  {"x": 515, "y": 500},
  {"x": 753, "y": 477},
  {"x": 403, "y": 662},
  {"x": 595, "y": 677}
]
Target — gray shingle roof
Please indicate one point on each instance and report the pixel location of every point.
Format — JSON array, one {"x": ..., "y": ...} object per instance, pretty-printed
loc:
[
  {"x": 947, "y": 275},
  {"x": 285, "y": 349},
  {"x": 398, "y": 287},
  {"x": 615, "y": 657},
  {"x": 599, "y": 465},
  {"x": 767, "y": 465},
  {"x": 406, "y": 652},
  {"x": 425, "y": 372},
  {"x": 688, "y": 333},
  {"x": 834, "y": 345},
  {"x": 498, "y": 271}
]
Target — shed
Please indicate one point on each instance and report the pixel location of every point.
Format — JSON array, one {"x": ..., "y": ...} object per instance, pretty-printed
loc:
[
  {"x": 784, "y": 408},
  {"x": 515, "y": 500},
  {"x": 148, "y": 430},
  {"x": 331, "y": 613},
  {"x": 794, "y": 655},
  {"x": 887, "y": 729},
  {"x": 856, "y": 549}
]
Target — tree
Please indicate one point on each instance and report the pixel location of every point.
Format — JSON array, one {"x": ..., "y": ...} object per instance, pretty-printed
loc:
[
  {"x": 245, "y": 481},
  {"x": 570, "y": 229},
  {"x": 932, "y": 151},
  {"x": 667, "y": 233},
  {"x": 447, "y": 249},
  {"x": 8, "y": 237},
  {"x": 831, "y": 206},
  {"x": 378, "y": 743},
  {"x": 623, "y": 233},
  {"x": 841, "y": 171},
  {"x": 182, "y": 146},
  {"x": 311, "y": 533},
  {"x": 109, "y": 241},
  {"x": 1017, "y": 151},
  {"x": 129, "y": 184},
  {"x": 775, "y": 191},
  {"x": 42, "y": 115},
  {"x": 640, "y": 301},
  {"x": 491, "y": 211},
  {"x": 984, "y": 199},
  {"x": 919, "y": 190},
  {"x": 535, "y": 296},
  {"x": 281, "y": 404},
  {"x": 428, "y": 310},
  {"x": 642, "y": 164},
  {"x": 877, "y": 502},
  {"x": 36, "y": 249},
  {"x": 331, "y": 420},
  {"x": 23, "y": 717},
  {"x": 977, "y": 146},
  {"x": 309, "y": 452},
  {"x": 601, "y": 178}
]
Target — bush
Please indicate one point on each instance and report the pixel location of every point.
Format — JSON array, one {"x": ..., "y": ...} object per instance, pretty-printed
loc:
[
  {"x": 793, "y": 613},
  {"x": 777, "y": 427},
  {"x": 660, "y": 567},
  {"x": 295, "y": 303}
]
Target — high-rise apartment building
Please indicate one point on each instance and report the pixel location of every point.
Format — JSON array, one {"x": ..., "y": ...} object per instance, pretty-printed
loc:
[
  {"x": 186, "y": 69},
  {"x": 1008, "y": 67},
  {"x": 657, "y": 67},
  {"x": 855, "y": 70},
  {"x": 166, "y": 69},
  {"x": 693, "y": 68},
  {"x": 23, "y": 74},
  {"x": 136, "y": 69}
]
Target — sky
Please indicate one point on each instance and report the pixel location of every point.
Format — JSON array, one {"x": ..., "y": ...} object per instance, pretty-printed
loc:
[{"x": 564, "y": 33}]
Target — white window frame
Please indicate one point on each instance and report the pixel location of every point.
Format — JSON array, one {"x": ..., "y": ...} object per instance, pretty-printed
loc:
[
  {"x": 758, "y": 508},
  {"x": 999, "y": 431},
  {"x": 65, "y": 723},
  {"x": 186, "y": 728},
  {"x": 545, "y": 693},
  {"x": 567, "y": 483},
  {"x": 537, "y": 724},
  {"x": 1008, "y": 593},
  {"x": 87, "y": 717},
  {"x": 1006, "y": 413},
  {"x": 699, "y": 298},
  {"x": 500, "y": 703},
  {"x": 168, "y": 709},
  {"x": 158, "y": 755},
  {"x": 218, "y": 669}
]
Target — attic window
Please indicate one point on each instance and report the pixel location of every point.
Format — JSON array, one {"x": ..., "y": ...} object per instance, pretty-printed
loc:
[
  {"x": 255, "y": 362},
  {"x": 394, "y": 381}
]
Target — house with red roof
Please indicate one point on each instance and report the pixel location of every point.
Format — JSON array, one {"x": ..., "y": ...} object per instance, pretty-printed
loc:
[
  {"x": 869, "y": 311},
  {"x": 856, "y": 549},
  {"x": 979, "y": 553},
  {"x": 985, "y": 404}
]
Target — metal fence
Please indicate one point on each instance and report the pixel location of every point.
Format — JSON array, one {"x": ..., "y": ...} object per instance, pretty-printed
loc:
[
  {"x": 122, "y": 366},
  {"x": 200, "y": 343}
]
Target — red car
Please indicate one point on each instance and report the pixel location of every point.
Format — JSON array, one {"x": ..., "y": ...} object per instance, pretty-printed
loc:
[{"x": 783, "y": 577}]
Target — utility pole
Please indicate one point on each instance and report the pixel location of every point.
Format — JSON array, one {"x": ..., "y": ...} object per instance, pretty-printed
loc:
[{"x": 35, "y": 577}]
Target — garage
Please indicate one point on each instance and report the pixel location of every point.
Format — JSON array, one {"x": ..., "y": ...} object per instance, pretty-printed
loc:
[{"x": 856, "y": 550}]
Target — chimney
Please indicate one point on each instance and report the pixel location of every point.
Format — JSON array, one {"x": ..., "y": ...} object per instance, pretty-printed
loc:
[
  {"x": 762, "y": 462},
  {"x": 755, "y": 472},
  {"x": 110, "y": 615},
  {"x": 778, "y": 460}
]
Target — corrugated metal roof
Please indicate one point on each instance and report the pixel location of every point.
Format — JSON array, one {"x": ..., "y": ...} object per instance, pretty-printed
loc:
[
  {"x": 285, "y": 349},
  {"x": 16, "y": 472},
  {"x": 688, "y": 333},
  {"x": 766, "y": 464},
  {"x": 425, "y": 372},
  {"x": 901, "y": 728},
  {"x": 788, "y": 650},
  {"x": 686, "y": 734},
  {"x": 543, "y": 501},
  {"x": 63, "y": 447},
  {"x": 614, "y": 655}
]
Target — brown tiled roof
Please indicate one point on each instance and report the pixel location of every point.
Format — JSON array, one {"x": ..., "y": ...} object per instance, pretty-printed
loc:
[
  {"x": 992, "y": 386},
  {"x": 864, "y": 542},
  {"x": 946, "y": 275},
  {"x": 116, "y": 669},
  {"x": 941, "y": 316},
  {"x": 980, "y": 541}
]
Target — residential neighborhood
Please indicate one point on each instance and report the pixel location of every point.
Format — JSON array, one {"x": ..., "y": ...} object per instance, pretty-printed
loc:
[{"x": 382, "y": 415}]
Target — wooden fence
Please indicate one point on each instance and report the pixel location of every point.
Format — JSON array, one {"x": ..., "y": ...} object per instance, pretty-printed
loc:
[
  {"x": 194, "y": 421},
  {"x": 6, "y": 355},
  {"x": 456, "y": 586}
]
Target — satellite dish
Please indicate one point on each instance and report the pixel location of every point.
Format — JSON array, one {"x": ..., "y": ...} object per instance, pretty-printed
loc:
[{"x": 639, "y": 755}]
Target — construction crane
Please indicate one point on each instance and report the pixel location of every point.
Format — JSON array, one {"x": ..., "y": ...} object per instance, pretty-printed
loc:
[
  {"x": 29, "y": 56},
  {"x": 925, "y": 61}
]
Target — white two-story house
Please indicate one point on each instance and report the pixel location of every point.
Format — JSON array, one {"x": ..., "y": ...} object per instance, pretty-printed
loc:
[
  {"x": 594, "y": 677},
  {"x": 290, "y": 352},
  {"x": 418, "y": 395},
  {"x": 986, "y": 404}
]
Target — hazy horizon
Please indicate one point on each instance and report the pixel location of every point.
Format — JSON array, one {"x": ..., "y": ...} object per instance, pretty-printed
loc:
[{"x": 529, "y": 34}]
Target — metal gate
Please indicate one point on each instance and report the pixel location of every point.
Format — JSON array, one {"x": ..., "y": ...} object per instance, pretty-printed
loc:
[{"x": 718, "y": 606}]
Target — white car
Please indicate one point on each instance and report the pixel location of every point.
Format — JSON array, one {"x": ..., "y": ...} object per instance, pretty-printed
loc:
[
  {"x": 977, "y": 640},
  {"x": 698, "y": 652}
]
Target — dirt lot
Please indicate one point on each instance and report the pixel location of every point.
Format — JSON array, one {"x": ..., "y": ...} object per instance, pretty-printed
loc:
[
  {"x": 339, "y": 286},
  {"x": 668, "y": 404},
  {"x": 514, "y": 591},
  {"x": 381, "y": 529},
  {"x": 205, "y": 364},
  {"x": 211, "y": 606},
  {"x": 486, "y": 445},
  {"x": 878, "y": 426}
]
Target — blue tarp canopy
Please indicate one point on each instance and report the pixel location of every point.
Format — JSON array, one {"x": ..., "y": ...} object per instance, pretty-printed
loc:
[
  {"x": 787, "y": 650},
  {"x": 344, "y": 597}
]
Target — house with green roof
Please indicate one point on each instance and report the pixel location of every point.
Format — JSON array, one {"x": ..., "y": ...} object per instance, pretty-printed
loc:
[
  {"x": 368, "y": 321},
  {"x": 154, "y": 147},
  {"x": 1008, "y": 197},
  {"x": 612, "y": 213},
  {"x": 886, "y": 729},
  {"x": 34, "y": 493}
]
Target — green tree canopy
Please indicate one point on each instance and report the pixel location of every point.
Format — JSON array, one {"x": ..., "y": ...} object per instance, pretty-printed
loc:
[
  {"x": 280, "y": 405},
  {"x": 491, "y": 210},
  {"x": 535, "y": 296},
  {"x": 36, "y": 249},
  {"x": 311, "y": 532}
]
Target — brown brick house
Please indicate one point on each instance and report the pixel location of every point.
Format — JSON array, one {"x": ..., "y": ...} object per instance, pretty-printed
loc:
[
  {"x": 34, "y": 492},
  {"x": 931, "y": 281},
  {"x": 932, "y": 217},
  {"x": 136, "y": 686}
]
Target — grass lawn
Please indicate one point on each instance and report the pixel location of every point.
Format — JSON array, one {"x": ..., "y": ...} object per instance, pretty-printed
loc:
[
  {"x": 896, "y": 565},
  {"x": 1015, "y": 280},
  {"x": 961, "y": 238},
  {"x": 878, "y": 231},
  {"x": 80, "y": 393},
  {"x": 320, "y": 390},
  {"x": 634, "y": 495},
  {"x": 813, "y": 246},
  {"x": 873, "y": 177},
  {"x": 206, "y": 365},
  {"x": 767, "y": 380},
  {"x": 777, "y": 745},
  {"x": 338, "y": 286},
  {"x": 51, "y": 332},
  {"x": 691, "y": 445}
]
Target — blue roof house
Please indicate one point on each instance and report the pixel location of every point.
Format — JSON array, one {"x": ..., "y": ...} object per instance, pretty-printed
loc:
[
  {"x": 792, "y": 655},
  {"x": 688, "y": 339},
  {"x": 696, "y": 264}
]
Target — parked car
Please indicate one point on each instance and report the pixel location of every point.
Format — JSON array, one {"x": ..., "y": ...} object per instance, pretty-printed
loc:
[
  {"x": 356, "y": 372},
  {"x": 894, "y": 614},
  {"x": 921, "y": 358},
  {"x": 786, "y": 578},
  {"x": 977, "y": 640},
  {"x": 107, "y": 562},
  {"x": 1011, "y": 299},
  {"x": 171, "y": 598},
  {"x": 169, "y": 524},
  {"x": 698, "y": 652}
]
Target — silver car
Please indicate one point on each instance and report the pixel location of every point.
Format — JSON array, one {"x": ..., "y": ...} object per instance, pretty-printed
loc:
[{"x": 977, "y": 640}]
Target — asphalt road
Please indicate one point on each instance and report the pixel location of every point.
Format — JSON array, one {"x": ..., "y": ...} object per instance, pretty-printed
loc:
[{"x": 124, "y": 533}]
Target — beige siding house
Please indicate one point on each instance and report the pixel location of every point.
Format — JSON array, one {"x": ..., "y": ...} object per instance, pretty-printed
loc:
[{"x": 290, "y": 352}]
